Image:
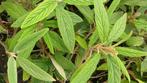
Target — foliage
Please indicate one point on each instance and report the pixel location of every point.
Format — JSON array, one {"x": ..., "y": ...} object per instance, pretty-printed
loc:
[{"x": 75, "y": 41}]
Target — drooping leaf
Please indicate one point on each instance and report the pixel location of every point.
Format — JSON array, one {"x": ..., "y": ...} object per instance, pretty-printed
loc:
[
  {"x": 39, "y": 13},
  {"x": 117, "y": 29},
  {"x": 29, "y": 40},
  {"x": 12, "y": 70},
  {"x": 114, "y": 73},
  {"x": 83, "y": 73},
  {"x": 66, "y": 28},
  {"x": 102, "y": 21},
  {"x": 34, "y": 70},
  {"x": 130, "y": 52}
]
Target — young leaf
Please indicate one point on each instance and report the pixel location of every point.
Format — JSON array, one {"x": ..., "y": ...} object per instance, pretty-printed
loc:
[
  {"x": 112, "y": 7},
  {"x": 117, "y": 29},
  {"x": 39, "y": 13},
  {"x": 83, "y": 73},
  {"x": 34, "y": 70},
  {"x": 114, "y": 73},
  {"x": 29, "y": 40},
  {"x": 130, "y": 52},
  {"x": 122, "y": 67},
  {"x": 47, "y": 40},
  {"x": 66, "y": 28},
  {"x": 102, "y": 21},
  {"x": 79, "y": 2},
  {"x": 82, "y": 42},
  {"x": 93, "y": 38},
  {"x": 12, "y": 70},
  {"x": 59, "y": 68}
]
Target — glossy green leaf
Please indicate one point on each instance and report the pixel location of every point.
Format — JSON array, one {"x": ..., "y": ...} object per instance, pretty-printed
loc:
[
  {"x": 39, "y": 13},
  {"x": 34, "y": 70},
  {"x": 79, "y": 2},
  {"x": 12, "y": 70},
  {"x": 130, "y": 52},
  {"x": 66, "y": 28},
  {"x": 83, "y": 73},
  {"x": 48, "y": 42},
  {"x": 82, "y": 42},
  {"x": 117, "y": 29},
  {"x": 29, "y": 40},
  {"x": 102, "y": 21},
  {"x": 114, "y": 73},
  {"x": 112, "y": 7}
]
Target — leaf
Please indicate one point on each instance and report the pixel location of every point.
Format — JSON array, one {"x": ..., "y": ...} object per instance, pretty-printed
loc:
[
  {"x": 15, "y": 10},
  {"x": 34, "y": 70},
  {"x": 130, "y": 52},
  {"x": 117, "y": 29},
  {"x": 82, "y": 42},
  {"x": 87, "y": 12},
  {"x": 93, "y": 38},
  {"x": 66, "y": 28},
  {"x": 102, "y": 21},
  {"x": 79, "y": 2},
  {"x": 83, "y": 73},
  {"x": 122, "y": 67},
  {"x": 29, "y": 40},
  {"x": 114, "y": 74},
  {"x": 135, "y": 41},
  {"x": 12, "y": 70},
  {"x": 43, "y": 10},
  {"x": 47, "y": 40},
  {"x": 112, "y": 7},
  {"x": 143, "y": 65},
  {"x": 59, "y": 68}
]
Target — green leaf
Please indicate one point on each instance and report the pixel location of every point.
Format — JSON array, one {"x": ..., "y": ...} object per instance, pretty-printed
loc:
[
  {"x": 114, "y": 73},
  {"x": 135, "y": 41},
  {"x": 112, "y": 7},
  {"x": 93, "y": 38},
  {"x": 117, "y": 29},
  {"x": 34, "y": 70},
  {"x": 130, "y": 52},
  {"x": 82, "y": 42},
  {"x": 15, "y": 10},
  {"x": 12, "y": 70},
  {"x": 83, "y": 73},
  {"x": 47, "y": 40},
  {"x": 29, "y": 40},
  {"x": 59, "y": 68},
  {"x": 79, "y": 2},
  {"x": 43, "y": 10},
  {"x": 66, "y": 28},
  {"x": 122, "y": 67},
  {"x": 143, "y": 65},
  {"x": 87, "y": 12},
  {"x": 102, "y": 21}
]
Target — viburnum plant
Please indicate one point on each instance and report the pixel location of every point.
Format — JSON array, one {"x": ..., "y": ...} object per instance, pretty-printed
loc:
[{"x": 73, "y": 40}]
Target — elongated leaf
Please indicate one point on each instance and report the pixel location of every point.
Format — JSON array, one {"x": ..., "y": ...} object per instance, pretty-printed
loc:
[
  {"x": 118, "y": 29},
  {"x": 93, "y": 38},
  {"x": 47, "y": 40},
  {"x": 79, "y": 2},
  {"x": 59, "y": 68},
  {"x": 12, "y": 70},
  {"x": 15, "y": 10},
  {"x": 39, "y": 13},
  {"x": 29, "y": 40},
  {"x": 83, "y": 73},
  {"x": 82, "y": 42},
  {"x": 114, "y": 73},
  {"x": 102, "y": 21},
  {"x": 122, "y": 67},
  {"x": 87, "y": 12},
  {"x": 130, "y": 52},
  {"x": 112, "y": 7},
  {"x": 34, "y": 70},
  {"x": 66, "y": 28}
]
